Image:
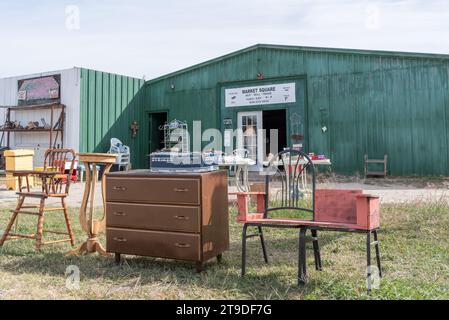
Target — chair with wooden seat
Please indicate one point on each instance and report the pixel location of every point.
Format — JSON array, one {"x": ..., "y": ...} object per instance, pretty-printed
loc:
[{"x": 56, "y": 179}]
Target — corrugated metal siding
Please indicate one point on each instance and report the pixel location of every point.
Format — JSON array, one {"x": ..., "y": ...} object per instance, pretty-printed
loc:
[
  {"x": 371, "y": 102},
  {"x": 70, "y": 96},
  {"x": 109, "y": 104}
]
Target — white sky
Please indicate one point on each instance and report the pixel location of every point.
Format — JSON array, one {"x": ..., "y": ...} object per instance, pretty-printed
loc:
[{"x": 151, "y": 38}]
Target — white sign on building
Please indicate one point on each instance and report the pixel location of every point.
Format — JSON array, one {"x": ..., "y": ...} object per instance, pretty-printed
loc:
[{"x": 261, "y": 95}]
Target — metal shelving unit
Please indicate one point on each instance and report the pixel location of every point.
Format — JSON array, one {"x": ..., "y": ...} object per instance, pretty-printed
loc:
[
  {"x": 56, "y": 130},
  {"x": 176, "y": 135}
]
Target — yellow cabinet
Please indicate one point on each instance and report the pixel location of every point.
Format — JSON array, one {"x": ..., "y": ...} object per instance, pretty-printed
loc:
[{"x": 17, "y": 160}]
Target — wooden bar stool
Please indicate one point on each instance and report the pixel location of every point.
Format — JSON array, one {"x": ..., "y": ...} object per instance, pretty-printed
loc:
[{"x": 55, "y": 184}]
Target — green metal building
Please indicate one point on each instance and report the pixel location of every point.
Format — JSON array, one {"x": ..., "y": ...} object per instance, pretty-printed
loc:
[
  {"x": 341, "y": 103},
  {"x": 109, "y": 103}
]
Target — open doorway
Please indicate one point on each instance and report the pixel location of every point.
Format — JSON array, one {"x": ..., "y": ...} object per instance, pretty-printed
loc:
[
  {"x": 156, "y": 138},
  {"x": 275, "y": 120}
]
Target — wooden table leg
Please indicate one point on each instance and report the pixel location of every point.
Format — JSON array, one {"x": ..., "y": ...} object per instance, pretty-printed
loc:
[
  {"x": 91, "y": 226},
  {"x": 78, "y": 251}
]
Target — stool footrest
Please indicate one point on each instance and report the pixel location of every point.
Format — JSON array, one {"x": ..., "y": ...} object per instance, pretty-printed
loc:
[
  {"x": 55, "y": 241},
  {"x": 12, "y": 236},
  {"x": 53, "y": 209},
  {"x": 25, "y": 212},
  {"x": 56, "y": 232}
]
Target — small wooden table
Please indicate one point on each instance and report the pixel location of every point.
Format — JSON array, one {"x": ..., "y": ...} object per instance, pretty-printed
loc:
[{"x": 91, "y": 226}]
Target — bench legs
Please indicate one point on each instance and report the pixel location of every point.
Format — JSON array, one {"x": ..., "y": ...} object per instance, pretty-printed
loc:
[
  {"x": 245, "y": 229},
  {"x": 302, "y": 264},
  {"x": 262, "y": 242},
  {"x": 316, "y": 251},
  {"x": 377, "y": 252},
  {"x": 368, "y": 257}
]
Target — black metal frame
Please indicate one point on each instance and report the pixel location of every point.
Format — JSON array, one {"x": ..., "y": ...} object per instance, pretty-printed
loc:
[
  {"x": 289, "y": 201},
  {"x": 369, "y": 244},
  {"x": 286, "y": 199}
]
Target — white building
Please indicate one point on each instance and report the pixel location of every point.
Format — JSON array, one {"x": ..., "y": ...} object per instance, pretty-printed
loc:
[{"x": 83, "y": 92}]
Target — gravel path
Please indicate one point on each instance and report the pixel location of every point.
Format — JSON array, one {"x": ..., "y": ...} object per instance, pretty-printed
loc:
[{"x": 395, "y": 193}]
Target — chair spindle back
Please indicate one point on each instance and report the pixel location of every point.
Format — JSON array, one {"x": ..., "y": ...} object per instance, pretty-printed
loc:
[
  {"x": 289, "y": 169},
  {"x": 55, "y": 160}
]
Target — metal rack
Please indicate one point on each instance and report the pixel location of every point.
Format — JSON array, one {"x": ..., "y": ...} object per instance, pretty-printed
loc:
[
  {"x": 55, "y": 130},
  {"x": 175, "y": 135}
]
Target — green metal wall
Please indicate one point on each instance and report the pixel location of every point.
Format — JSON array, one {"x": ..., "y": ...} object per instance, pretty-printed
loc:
[
  {"x": 371, "y": 102},
  {"x": 109, "y": 104}
]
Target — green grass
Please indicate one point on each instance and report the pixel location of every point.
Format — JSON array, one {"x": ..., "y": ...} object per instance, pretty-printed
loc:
[{"x": 414, "y": 248}]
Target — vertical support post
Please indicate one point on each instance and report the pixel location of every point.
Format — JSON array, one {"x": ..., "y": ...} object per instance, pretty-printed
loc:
[
  {"x": 67, "y": 221},
  {"x": 8, "y": 118},
  {"x": 12, "y": 220},
  {"x": 262, "y": 241},
  {"x": 302, "y": 265},
  {"x": 376, "y": 240},
  {"x": 62, "y": 125},
  {"x": 368, "y": 260},
  {"x": 242, "y": 203},
  {"x": 260, "y": 203},
  {"x": 51, "y": 128},
  {"x": 316, "y": 250},
  {"x": 245, "y": 228},
  {"x": 40, "y": 225}
]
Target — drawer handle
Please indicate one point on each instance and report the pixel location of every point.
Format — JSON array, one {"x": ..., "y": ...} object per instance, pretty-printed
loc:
[
  {"x": 120, "y": 188},
  {"x": 182, "y": 245},
  {"x": 120, "y": 239},
  {"x": 120, "y": 214},
  {"x": 181, "y": 190},
  {"x": 182, "y": 218}
]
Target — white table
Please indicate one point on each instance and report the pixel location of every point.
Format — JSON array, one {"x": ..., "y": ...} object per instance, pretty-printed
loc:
[
  {"x": 324, "y": 162},
  {"x": 242, "y": 165}
]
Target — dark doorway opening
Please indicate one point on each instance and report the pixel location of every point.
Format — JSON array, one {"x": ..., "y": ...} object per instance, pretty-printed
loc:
[
  {"x": 275, "y": 120},
  {"x": 156, "y": 138}
]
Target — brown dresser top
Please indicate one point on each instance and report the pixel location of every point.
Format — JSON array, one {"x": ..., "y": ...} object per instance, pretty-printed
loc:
[{"x": 145, "y": 173}]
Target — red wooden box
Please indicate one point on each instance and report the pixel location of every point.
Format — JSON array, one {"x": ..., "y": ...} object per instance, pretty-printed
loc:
[
  {"x": 350, "y": 207},
  {"x": 243, "y": 199},
  {"x": 368, "y": 212}
]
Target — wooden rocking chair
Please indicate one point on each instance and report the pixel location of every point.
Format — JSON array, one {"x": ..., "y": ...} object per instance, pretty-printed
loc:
[{"x": 55, "y": 184}]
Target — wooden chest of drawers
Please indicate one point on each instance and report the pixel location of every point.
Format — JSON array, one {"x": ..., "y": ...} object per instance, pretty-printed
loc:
[{"x": 177, "y": 216}]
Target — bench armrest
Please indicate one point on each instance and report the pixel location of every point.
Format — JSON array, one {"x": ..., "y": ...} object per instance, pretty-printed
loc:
[{"x": 368, "y": 196}]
